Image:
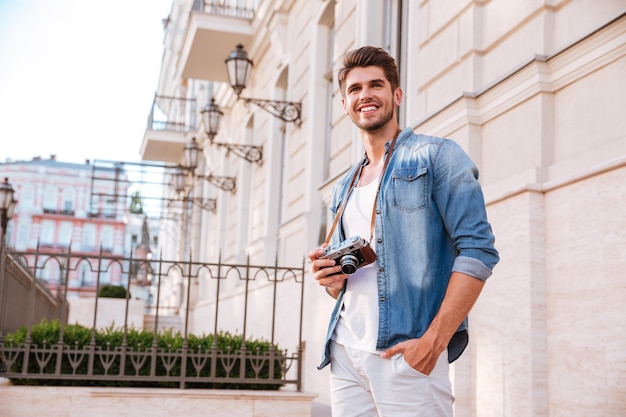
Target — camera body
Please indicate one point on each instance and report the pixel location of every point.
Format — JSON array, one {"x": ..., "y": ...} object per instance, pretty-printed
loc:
[{"x": 352, "y": 254}]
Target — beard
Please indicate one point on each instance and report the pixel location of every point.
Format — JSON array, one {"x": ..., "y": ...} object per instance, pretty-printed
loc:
[{"x": 375, "y": 124}]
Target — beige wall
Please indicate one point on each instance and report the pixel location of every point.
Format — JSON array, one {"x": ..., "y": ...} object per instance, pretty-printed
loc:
[
  {"x": 585, "y": 292},
  {"x": 535, "y": 92},
  {"x": 549, "y": 138}
]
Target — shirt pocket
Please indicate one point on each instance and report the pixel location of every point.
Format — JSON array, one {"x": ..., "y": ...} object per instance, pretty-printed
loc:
[{"x": 410, "y": 188}]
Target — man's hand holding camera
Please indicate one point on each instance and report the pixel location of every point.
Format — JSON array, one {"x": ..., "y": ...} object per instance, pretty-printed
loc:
[
  {"x": 327, "y": 272},
  {"x": 332, "y": 265}
]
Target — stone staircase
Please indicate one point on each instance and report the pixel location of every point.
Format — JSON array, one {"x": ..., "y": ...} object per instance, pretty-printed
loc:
[{"x": 166, "y": 322}]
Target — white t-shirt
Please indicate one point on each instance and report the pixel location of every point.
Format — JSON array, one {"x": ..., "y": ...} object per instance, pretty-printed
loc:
[{"x": 358, "y": 320}]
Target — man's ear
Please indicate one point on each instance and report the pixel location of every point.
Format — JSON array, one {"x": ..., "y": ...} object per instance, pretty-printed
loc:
[
  {"x": 343, "y": 104},
  {"x": 397, "y": 96}
]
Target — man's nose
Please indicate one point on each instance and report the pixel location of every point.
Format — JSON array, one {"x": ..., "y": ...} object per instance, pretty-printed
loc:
[{"x": 366, "y": 93}]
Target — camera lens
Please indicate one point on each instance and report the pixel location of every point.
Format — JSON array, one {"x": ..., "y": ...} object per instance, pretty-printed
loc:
[{"x": 349, "y": 264}]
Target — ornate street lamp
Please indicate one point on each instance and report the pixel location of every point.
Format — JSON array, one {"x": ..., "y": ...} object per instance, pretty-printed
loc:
[
  {"x": 212, "y": 118},
  {"x": 7, "y": 206},
  {"x": 180, "y": 174},
  {"x": 179, "y": 179},
  {"x": 239, "y": 67},
  {"x": 192, "y": 155}
]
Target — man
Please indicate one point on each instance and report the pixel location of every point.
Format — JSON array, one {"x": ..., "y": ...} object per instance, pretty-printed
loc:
[{"x": 400, "y": 320}]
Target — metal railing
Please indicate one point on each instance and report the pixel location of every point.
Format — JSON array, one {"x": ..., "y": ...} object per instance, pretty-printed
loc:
[
  {"x": 243, "y": 9},
  {"x": 228, "y": 291},
  {"x": 176, "y": 114}
]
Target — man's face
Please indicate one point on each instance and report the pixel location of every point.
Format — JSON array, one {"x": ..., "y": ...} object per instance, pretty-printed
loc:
[{"x": 368, "y": 99}]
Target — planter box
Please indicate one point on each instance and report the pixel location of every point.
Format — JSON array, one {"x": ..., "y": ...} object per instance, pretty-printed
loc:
[{"x": 29, "y": 401}]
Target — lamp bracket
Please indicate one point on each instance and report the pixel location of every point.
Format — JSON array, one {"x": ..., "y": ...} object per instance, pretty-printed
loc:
[
  {"x": 250, "y": 153},
  {"x": 286, "y": 111},
  {"x": 222, "y": 182},
  {"x": 206, "y": 203}
]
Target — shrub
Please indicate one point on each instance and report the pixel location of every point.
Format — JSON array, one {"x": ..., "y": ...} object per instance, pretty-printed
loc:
[
  {"x": 107, "y": 358},
  {"x": 113, "y": 291}
]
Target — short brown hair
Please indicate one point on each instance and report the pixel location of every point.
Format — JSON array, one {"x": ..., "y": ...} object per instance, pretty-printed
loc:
[{"x": 367, "y": 56}]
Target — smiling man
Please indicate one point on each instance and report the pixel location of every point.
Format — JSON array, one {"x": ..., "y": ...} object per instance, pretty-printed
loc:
[{"x": 416, "y": 201}]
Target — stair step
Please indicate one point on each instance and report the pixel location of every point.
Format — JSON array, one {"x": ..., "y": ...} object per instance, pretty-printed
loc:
[{"x": 166, "y": 322}]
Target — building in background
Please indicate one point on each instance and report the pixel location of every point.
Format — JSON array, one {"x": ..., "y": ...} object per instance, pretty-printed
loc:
[{"x": 82, "y": 208}]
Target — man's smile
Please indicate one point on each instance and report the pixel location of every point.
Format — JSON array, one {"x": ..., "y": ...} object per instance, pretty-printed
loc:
[{"x": 368, "y": 108}]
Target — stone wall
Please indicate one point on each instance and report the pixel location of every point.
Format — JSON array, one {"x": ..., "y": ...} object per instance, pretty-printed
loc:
[{"x": 22, "y": 401}]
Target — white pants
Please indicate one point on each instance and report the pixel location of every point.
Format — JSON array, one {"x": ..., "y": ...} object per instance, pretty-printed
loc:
[{"x": 365, "y": 385}]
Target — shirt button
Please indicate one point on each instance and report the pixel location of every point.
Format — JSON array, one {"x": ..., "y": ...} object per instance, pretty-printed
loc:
[
  {"x": 379, "y": 240},
  {"x": 383, "y": 299},
  {"x": 381, "y": 269}
]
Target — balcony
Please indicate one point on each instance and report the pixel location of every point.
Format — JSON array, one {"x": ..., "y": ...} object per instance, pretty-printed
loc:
[
  {"x": 66, "y": 212},
  {"x": 215, "y": 27},
  {"x": 171, "y": 118}
]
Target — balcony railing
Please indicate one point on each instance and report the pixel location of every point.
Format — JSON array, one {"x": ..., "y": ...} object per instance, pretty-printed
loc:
[
  {"x": 241, "y": 299},
  {"x": 173, "y": 113},
  {"x": 243, "y": 9}
]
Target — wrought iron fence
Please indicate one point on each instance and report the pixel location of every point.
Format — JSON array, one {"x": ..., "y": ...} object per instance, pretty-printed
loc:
[{"x": 237, "y": 299}]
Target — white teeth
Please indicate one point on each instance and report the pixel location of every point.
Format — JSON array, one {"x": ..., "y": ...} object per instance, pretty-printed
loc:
[{"x": 368, "y": 108}]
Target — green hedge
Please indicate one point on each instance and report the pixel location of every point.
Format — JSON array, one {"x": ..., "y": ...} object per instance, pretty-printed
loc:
[
  {"x": 77, "y": 336},
  {"x": 113, "y": 291}
]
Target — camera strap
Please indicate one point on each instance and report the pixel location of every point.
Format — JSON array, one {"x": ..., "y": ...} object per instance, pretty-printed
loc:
[{"x": 357, "y": 173}]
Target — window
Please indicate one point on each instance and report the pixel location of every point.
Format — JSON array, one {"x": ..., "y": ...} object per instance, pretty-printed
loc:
[
  {"x": 69, "y": 197},
  {"x": 50, "y": 272},
  {"x": 65, "y": 233},
  {"x": 50, "y": 199},
  {"x": 107, "y": 238},
  {"x": 89, "y": 236},
  {"x": 109, "y": 209},
  {"x": 47, "y": 232},
  {"x": 23, "y": 233},
  {"x": 26, "y": 197},
  {"x": 86, "y": 279},
  {"x": 105, "y": 277}
]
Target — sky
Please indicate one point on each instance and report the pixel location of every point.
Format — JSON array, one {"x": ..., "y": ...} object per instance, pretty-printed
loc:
[{"x": 78, "y": 77}]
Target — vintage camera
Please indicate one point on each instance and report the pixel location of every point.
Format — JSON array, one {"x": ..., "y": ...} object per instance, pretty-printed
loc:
[{"x": 351, "y": 254}]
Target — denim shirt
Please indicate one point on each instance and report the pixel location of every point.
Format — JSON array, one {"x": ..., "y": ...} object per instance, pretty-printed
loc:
[{"x": 430, "y": 221}]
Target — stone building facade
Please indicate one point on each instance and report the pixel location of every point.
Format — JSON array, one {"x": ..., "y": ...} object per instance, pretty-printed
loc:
[{"x": 533, "y": 90}]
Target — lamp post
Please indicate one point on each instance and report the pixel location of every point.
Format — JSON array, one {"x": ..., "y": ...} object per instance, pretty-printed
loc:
[
  {"x": 180, "y": 178},
  {"x": 7, "y": 207},
  {"x": 239, "y": 67},
  {"x": 192, "y": 152},
  {"x": 192, "y": 156},
  {"x": 212, "y": 118}
]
